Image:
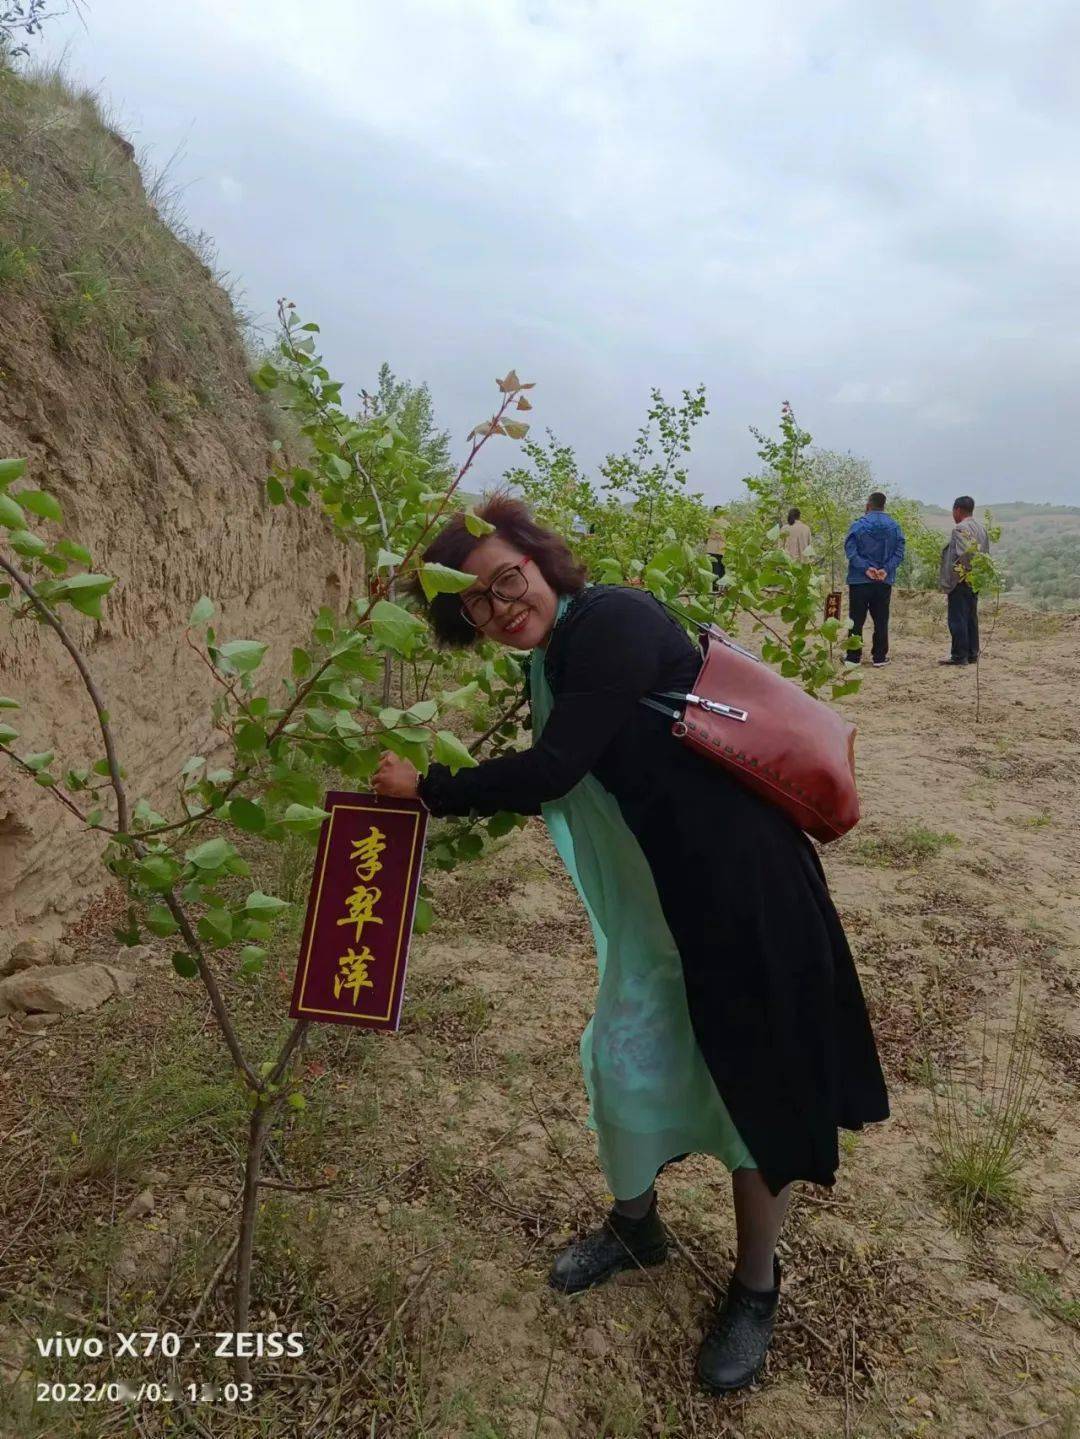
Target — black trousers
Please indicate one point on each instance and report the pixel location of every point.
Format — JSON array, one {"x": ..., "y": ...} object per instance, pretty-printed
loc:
[
  {"x": 871, "y": 599},
  {"x": 718, "y": 568},
  {"x": 964, "y": 622}
]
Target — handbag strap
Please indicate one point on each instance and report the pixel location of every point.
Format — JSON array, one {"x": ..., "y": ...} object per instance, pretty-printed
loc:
[
  {"x": 654, "y": 704},
  {"x": 718, "y": 707}
]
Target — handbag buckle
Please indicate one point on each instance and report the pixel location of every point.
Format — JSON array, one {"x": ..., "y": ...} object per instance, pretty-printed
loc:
[{"x": 717, "y": 707}]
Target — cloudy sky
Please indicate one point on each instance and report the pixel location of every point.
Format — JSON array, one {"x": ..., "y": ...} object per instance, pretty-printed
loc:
[{"x": 867, "y": 207}]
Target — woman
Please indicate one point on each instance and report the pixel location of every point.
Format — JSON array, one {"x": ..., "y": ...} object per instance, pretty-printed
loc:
[{"x": 729, "y": 1018}]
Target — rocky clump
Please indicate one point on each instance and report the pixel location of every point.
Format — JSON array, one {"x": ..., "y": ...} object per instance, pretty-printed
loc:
[
  {"x": 34, "y": 954},
  {"x": 66, "y": 989}
]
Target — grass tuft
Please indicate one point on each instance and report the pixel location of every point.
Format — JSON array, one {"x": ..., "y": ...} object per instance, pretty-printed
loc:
[
  {"x": 981, "y": 1127},
  {"x": 902, "y": 848}
]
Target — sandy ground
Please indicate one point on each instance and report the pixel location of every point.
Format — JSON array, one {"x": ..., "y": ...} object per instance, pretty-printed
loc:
[{"x": 456, "y": 1159}]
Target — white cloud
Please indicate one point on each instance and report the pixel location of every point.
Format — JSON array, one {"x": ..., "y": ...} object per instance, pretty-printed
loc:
[
  {"x": 231, "y": 188},
  {"x": 803, "y": 199},
  {"x": 866, "y": 392}
]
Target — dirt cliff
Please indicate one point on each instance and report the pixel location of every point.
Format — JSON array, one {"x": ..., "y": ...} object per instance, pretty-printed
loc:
[{"x": 124, "y": 381}]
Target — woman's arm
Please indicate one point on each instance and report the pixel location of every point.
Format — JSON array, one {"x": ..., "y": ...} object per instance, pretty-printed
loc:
[{"x": 611, "y": 657}]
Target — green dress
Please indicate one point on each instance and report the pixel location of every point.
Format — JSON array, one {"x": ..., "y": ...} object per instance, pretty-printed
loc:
[{"x": 651, "y": 1096}]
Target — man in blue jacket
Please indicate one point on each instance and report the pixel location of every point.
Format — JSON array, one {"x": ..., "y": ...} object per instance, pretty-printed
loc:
[{"x": 874, "y": 547}]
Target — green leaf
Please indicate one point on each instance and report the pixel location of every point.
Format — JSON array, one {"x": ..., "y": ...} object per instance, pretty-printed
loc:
[
  {"x": 396, "y": 628},
  {"x": 11, "y": 470},
  {"x": 11, "y": 515},
  {"x": 38, "y": 761},
  {"x": 296, "y": 1100},
  {"x": 7, "y": 734},
  {"x": 247, "y": 815},
  {"x": 254, "y": 963},
  {"x": 424, "y": 917},
  {"x": 215, "y": 926},
  {"x": 423, "y": 712},
  {"x": 87, "y": 585},
  {"x": 157, "y": 872},
  {"x": 476, "y": 525},
  {"x": 439, "y": 579},
  {"x": 450, "y": 751},
  {"x": 202, "y": 613},
  {"x": 244, "y": 655},
  {"x": 516, "y": 429},
  {"x": 250, "y": 738},
  {"x": 501, "y": 824},
  {"x": 71, "y": 551},
  {"x": 45, "y": 779},
  {"x": 461, "y": 698},
  {"x": 387, "y": 559},
  {"x": 301, "y": 818},
  {"x": 265, "y": 905},
  {"x": 184, "y": 965},
  {"x": 25, "y": 542},
  {"x": 301, "y": 663},
  {"x": 849, "y": 687},
  {"x": 38, "y": 502},
  {"x": 275, "y": 491},
  {"x": 159, "y": 921},
  {"x": 212, "y": 854}
]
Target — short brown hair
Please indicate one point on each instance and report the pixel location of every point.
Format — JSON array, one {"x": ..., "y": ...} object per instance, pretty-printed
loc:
[{"x": 514, "y": 523}]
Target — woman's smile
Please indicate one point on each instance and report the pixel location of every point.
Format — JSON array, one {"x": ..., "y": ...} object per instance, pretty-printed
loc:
[{"x": 517, "y": 622}]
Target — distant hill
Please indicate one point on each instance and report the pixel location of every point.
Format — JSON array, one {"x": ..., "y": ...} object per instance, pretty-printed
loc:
[{"x": 1039, "y": 549}]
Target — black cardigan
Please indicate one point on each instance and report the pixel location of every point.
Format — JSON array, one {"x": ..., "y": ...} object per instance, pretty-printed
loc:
[{"x": 773, "y": 994}]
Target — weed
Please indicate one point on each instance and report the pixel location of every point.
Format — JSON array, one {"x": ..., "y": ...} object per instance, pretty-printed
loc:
[
  {"x": 16, "y": 262},
  {"x": 135, "y": 1103},
  {"x": 1039, "y": 1287},
  {"x": 172, "y": 401},
  {"x": 903, "y": 848},
  {"x": 1031, "y": 821},
  {"x": 980, "y": 1129}
]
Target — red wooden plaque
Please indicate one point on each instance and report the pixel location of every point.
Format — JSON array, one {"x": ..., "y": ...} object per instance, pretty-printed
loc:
[
  {"x": 832, "y": 605},
  {"x": 360, "y": 911}
]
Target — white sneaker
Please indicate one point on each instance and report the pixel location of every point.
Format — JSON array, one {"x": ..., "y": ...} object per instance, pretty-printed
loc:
[{"x": 879, "y": 663}]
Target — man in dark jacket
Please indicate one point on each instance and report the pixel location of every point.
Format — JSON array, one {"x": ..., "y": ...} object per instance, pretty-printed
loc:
[
  {"x": 968, "y": 536},
  {"x": 874, "y": 547}
]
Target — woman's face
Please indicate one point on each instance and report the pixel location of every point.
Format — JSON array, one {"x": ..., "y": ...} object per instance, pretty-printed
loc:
[{"x": 523, "y": 623}]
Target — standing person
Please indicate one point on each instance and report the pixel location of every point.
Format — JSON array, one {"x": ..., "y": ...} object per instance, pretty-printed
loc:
[
  {"x": 796, "y": 534},
  {"x": 874, "y": 547},
  {"x": 968, "y": 535},
  {"x": 714, "y": 545},
  {"x": 729, "y": 1019}
]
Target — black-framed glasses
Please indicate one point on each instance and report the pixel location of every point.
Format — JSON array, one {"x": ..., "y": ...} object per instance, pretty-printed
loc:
[{"x": 509, "y": 584}]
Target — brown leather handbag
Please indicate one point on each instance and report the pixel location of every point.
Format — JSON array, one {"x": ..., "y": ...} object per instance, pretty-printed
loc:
[{"x": 770, "y": 734}]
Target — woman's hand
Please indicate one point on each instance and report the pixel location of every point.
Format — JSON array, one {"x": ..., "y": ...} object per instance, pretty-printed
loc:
[{"x": 395, "y": 777}]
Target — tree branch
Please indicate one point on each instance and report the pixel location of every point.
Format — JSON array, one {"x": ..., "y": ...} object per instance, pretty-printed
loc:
[
  {"x": 52, "y": 789},
  {"x": 88, "y": 680}
]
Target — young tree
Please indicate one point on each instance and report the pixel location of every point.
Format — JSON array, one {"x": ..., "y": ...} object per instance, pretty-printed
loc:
[{"x": 184, "y": 869}]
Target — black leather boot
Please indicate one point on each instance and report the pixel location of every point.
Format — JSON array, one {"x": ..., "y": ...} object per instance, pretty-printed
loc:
[
  {"x": 620, "y": 1243},
  {"x": 735, "y": 1347}
]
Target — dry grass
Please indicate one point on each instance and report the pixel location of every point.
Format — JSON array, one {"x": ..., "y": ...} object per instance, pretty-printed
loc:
[
  {"x": 107, "y": 260},
  {"x": 982, "y": 1123}
]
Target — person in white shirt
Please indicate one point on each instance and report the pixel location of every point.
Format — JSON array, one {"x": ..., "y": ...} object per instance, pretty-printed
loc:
[{"x": 795, "y": 535}]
